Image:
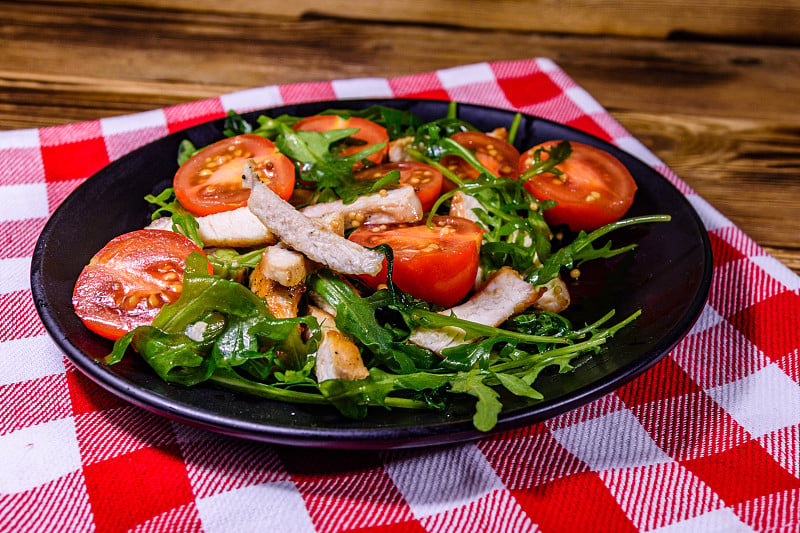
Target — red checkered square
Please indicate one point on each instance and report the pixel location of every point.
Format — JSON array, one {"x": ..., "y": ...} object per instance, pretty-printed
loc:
[
  {"x": 530, "y": 89},
  {"x": 528, "y": 457},
  {"x": 74, "y": 160},
  {"x": 150, "y": 481},
  {"x": 742, "y": 473},
  {"x": 87, "y": 397},
  {"x": 580, "y": 502},
  {"x": 410, "y": 526},
  {"x": 183, "y": 116},
  {"x": 723, "y": 251},
  {"x": 600, "y": 407},
  {"x": 33, "y": 402},
  {"x": 665, "y": 380},
  {"x": 690, "y": 426},
  {"x": 772, "y": 324},
  {"x": 296, "y": 93},
  {"x": 356, "y": 485},
  {"x": 588, "y": 124},
  {"x": 425, "y": 85},
  {"x": 120, "y": 144},
  {"x": 655, "y": 496}
]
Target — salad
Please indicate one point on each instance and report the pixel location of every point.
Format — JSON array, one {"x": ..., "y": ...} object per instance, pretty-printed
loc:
[{"x": 364, "y": 259}]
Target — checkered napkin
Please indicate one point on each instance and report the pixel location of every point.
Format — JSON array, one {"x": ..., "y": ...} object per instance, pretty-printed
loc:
[{"x": 707, "y": 440}]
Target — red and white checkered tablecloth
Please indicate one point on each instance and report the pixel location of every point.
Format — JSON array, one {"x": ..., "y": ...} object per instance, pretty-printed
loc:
[{"x": 708, "y": 440}]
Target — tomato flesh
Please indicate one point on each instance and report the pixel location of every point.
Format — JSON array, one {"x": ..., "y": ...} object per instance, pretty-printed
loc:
[
  {"x": 425, "y": 179},
  {"x": 437, "y": 265},
  {"x": 130, "y": 279},
  {"x": 498, "y": 156},
  {"x": 211, "y": 180},
  {"x": 595, "y": 189},
  {"x": 368, "y": 134}
]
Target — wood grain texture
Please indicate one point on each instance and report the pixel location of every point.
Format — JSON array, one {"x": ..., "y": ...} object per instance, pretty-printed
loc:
[
  {"x": 725, "y": 116},
  {"x": 765, "y": 20}
]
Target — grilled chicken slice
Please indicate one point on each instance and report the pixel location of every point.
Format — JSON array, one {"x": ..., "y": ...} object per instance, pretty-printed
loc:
[
  {"x": 238, "y": 227},
  {"x": 504, "y": 295},
  {"x": 283, "y": 302},
  {"x": 554, "y": 297},
  {"x": 279, "y": 263},
  {"x": 462, "y": 205},
  {"x": 337, "y": 356},
  {"x": 385, "y": 207},
  {"x": 301, "y": 233}
]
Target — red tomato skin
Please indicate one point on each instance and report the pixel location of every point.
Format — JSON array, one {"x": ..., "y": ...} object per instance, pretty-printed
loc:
[
  {"x": 596, "y": 189},
  {"x": 497, "y": 155},
  {"x": 368, "y": 132},
  {"x": 112, "y": 291},
  {"x": 444, "y": 276},
  {"x": 428, "y": 186},
  {"x": 220, "y": 189}
]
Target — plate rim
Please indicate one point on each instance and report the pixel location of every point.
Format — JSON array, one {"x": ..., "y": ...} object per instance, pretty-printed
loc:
[{"x": 361, "y": 438}]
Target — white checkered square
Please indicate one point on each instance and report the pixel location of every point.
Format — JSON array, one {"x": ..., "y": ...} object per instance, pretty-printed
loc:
[
  {"x": 711, "y": 218},
  {"x": 634, "y": 146},
  {"x": 778, "y": 270},
  {"x": 252, "y": 99},
  {"x": 15, "y": 274},
  {"x": 718, "y": 521},
  {"x": 274, "y": 506},
  {"x": 362, "y": 88},
  {"x": 467, "y": 75},
  {"x": 136, "y": 121},
  {"x": 616, "y": 440},
  {"x": 763, "y": 402},
  {"x": 29, "y": 358},
  {"x": 24, "y": 201},
  {"x": 37, "y": 455},
  {"x": 438, "y": 480},
  {"x": 28, "y": 138}
]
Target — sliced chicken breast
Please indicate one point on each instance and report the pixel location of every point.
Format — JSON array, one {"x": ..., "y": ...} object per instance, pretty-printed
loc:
[
  {"x": 337, "y": 356},
  {"x": 504, "y": 295},
  {"x": 385, "y": 207}
]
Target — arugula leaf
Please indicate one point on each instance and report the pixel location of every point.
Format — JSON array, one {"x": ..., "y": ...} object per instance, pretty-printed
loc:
[
  {"x": 235, "y": 125},
  {"x": 488, "y": 406},
  {"x": 183, "y": 221}
]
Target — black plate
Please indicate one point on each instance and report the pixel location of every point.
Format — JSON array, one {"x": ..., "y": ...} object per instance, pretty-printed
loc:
[{"x": 667, "y": 276}]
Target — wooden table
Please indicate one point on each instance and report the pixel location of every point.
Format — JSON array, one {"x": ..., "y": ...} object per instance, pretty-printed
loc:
[{"x": 714, "y": 93}]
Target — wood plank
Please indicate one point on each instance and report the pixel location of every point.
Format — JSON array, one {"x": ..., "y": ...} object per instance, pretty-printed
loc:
[
  {"x": 724, "y": 116},
  {"x": 102, "y": 48},
  {"x": 766, "y": 20}
]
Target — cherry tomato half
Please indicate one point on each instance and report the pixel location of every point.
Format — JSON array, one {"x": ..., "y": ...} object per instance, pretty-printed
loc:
[
  {"x": 594, "y": 190},
  {"x": 211, "y": 180},
  {"x": 436, "y": 265},
  {"x": 130, "y": 279},
  {"x": 426, "y": 180},
  {"x": 498, "y": 156},
  {"x": 368, "y": 134}
]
